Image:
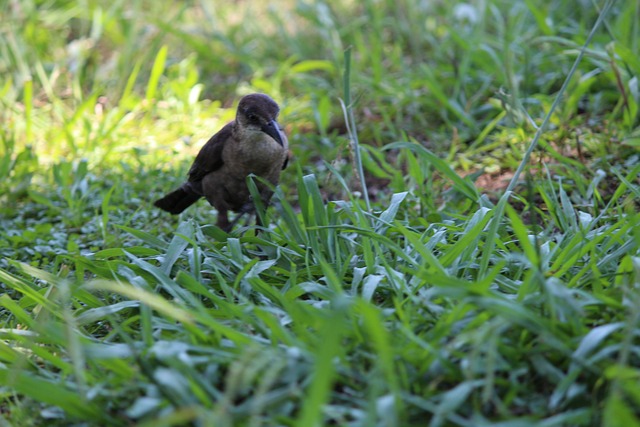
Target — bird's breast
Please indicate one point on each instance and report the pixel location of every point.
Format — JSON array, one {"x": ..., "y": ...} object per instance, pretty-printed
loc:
[{"x": 256, "y": 153}]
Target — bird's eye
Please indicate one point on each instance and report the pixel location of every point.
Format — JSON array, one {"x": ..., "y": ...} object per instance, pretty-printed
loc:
[{"x": 252, "y": 117}]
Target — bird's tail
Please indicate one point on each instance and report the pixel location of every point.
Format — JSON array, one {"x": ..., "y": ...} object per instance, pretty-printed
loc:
[{"x": 177, "y": 201}]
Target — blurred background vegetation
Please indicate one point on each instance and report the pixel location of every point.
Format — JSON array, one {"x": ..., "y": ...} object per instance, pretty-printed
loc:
[{"x": 104, "y": 104}]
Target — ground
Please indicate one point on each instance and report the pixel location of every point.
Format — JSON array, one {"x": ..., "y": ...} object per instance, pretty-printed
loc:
[{"x": 455, "y": 240}]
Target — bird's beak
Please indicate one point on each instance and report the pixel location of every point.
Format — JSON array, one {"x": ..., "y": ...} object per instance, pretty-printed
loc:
[{"x": 273, "y": 130}]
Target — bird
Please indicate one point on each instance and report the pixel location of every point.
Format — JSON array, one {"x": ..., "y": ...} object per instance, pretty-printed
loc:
[{"x": 253, "y": 143}]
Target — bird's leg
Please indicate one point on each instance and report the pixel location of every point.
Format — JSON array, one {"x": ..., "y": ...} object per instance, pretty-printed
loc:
[
  {"x": 223, "y": 221},
  {"x": 247, "y": 208},
  {"x": 265, "y": 197}
]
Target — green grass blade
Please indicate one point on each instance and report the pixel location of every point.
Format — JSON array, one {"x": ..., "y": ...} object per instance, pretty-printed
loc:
[{"x": 156, "y": 73}]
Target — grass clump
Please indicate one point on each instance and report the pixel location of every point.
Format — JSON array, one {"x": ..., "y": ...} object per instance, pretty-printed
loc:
[{"x": 456, "y": 243}]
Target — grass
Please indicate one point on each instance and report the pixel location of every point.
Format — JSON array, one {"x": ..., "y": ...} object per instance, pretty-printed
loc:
[{"x": 455, "y": 243}]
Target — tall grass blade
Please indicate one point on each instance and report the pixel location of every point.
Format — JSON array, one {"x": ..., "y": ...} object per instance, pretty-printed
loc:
[{"x": 497, "y": 218}]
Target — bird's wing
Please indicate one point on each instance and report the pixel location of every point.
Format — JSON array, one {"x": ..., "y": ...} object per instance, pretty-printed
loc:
[{"x": 209, "y": 158}]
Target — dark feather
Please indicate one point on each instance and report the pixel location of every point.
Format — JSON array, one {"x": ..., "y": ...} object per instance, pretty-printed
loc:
[
  {"x": 178, "y": 200},
  {"x": 209, "y": 158}
]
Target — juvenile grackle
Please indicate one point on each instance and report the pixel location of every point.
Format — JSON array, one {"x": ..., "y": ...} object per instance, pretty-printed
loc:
[{"x": 254, "y": 143}]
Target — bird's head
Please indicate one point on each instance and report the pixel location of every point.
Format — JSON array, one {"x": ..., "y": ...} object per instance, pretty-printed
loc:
[{"x": 258, "y": 113}]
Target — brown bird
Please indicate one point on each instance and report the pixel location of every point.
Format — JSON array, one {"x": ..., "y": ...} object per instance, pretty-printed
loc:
[{"x": 254, "y": 143}]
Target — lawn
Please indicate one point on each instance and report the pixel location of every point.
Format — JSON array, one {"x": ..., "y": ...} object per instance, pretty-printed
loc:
[{"x": 455, "y": 242}]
